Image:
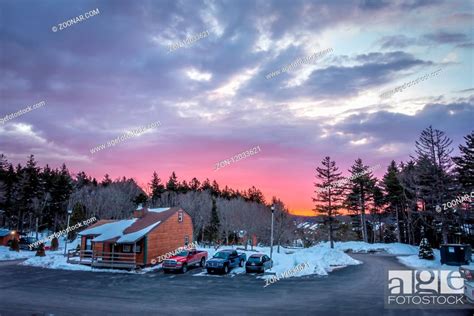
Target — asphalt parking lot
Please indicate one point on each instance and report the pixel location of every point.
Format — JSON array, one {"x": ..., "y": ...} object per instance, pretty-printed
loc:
[{"x": 355, "y": 290}]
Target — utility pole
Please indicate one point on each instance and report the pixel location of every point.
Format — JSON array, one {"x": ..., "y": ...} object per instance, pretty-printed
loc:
[
  {"x": 271, "y": 236},
  {"x": 69, "y": 212}
]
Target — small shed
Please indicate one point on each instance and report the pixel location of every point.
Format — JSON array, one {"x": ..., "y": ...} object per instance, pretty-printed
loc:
[
  {"x": 135, "y": 242},
  {"x": 6, "y": 235}
]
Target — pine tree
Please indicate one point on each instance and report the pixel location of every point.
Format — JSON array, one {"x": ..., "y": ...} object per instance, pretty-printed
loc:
[
  {"x": 172, "y": 184},
  {"x": 195, "y": 184},
  {"x": 360, "y": 186},
  {"x": 425, "y": 251},
  {"x": 465, "y": 164},
  {"x": 206, "y": 185},
  {"x": 28, "y": 188},
  {"x": 140, "y": 199},
  {"x": 157, "y": 188},
  {"x": 433, "y": 164},
  {"x": 329, "y": 194},
  {"x": 62, "y": 187},
  {"x": 214, "y": 225},
  {"x": 394, "y": 194},
  {"x": 107, "y": 181},
  {"x": 78, "y": 216}
]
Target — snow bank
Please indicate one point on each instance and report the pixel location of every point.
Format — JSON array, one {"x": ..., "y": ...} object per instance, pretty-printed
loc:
[
  {"x": 414, "y": 262},
  {"x": 362, "y": 247},
  {"x": 6, "y": 254},
  {"x": 320, "y": 260}
]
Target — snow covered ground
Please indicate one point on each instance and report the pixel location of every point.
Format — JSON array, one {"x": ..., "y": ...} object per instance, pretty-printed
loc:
[
  {"x": 320, "y": 260},
  {"x": 414, "y": 262},
  {"x": 362, "y": 247},
  {"x": 6, "y": 254}
]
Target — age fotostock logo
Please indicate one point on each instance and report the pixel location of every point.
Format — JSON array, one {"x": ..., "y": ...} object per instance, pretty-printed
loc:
[{"x": 425, "y": 288}]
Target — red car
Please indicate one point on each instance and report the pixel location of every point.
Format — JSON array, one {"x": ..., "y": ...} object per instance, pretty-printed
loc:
[{"x": 185, "y": 259}]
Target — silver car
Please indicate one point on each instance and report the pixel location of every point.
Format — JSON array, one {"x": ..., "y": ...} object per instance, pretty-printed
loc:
[{"x": 468, "y": 274}]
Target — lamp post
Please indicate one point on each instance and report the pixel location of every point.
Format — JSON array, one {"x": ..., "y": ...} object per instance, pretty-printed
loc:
[
  {"x": 271, "y": 236},
  {"x": 69, "y": 212}
]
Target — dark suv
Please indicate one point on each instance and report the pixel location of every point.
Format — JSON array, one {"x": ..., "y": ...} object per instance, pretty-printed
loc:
[
  {"x": 258, "y": 263},
  {"x": 25, "y": 243}
]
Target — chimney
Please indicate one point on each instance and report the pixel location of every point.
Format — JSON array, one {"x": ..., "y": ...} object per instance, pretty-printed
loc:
[{"x": 140, "y": 211}]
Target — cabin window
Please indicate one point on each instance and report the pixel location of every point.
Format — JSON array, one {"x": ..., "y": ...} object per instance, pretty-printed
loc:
[
  {"x": 127, "y": 248},
  {"x": 138, "y": 249},
  {"x": 180, "y": 216},
  {"x": 186, "y": 240}
]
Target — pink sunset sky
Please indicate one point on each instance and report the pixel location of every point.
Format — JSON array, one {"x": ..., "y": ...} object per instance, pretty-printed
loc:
[{"x": 112, "y": 73}]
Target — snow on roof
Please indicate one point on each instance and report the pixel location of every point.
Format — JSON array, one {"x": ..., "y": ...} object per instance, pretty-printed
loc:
[
  {"x": 4, "y": 232},
  {"x": 158, "y": 210},
  {"x": 109, "y": 230},
  {"x": 133, "y": 237}
]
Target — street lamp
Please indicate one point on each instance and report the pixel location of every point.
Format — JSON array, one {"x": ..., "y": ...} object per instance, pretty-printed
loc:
[
  {"x": 271, "y": 236},
  {"x": 69, "y": 212}
]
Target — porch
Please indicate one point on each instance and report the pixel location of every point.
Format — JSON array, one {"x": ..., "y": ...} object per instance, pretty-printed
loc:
[{"x": 102, "y": 259}]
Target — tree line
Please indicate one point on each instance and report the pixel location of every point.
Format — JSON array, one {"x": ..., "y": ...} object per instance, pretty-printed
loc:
[
  {"x": 30, "y": 194},
  {"x": 405, "y": 205}
]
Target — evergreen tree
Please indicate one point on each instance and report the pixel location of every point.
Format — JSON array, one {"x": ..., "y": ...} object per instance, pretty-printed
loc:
[
  {"x": 78, "y": 216},
  {"x": 255, "y": 195},
  {"x": 206, "y": 185},
  {"x": 194, "y": 184},
  {"x": 157, "y": 188},
  {"x": 425, "y": 251},
  {"x": 29, "y": 189},
  {"x": 107, "y": 181},
  {"x": 172, "y": 184},
  {"x": 82, "y": 180},
  {"x": 360, "y": 186},
  {"x": 215, "y": 191},
  {"x": 140, "y": 199},
  {"x": 394, "y": 194},
  {"x": 329, "y": 194},
  {"x": 62, "y": 187},
  {"x": 433, "y": 164},
  {"x": 465, "y": 164},
  {"x": 214, "y": 225}
]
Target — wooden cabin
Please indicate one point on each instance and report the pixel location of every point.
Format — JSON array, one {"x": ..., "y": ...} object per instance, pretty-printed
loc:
[
  {"x": 135, "y": 242},
  {"x": 6, "y": 235}
]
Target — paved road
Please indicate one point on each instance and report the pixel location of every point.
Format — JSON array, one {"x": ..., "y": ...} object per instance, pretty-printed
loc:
[{"x": 355, "y": 290}]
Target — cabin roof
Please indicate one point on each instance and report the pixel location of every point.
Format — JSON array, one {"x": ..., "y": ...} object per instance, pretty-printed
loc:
[
  {"x": 129, "y": 230},
  {"x": 4, "y": 232}
]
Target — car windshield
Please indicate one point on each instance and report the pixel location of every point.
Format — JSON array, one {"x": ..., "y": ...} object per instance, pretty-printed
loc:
[
  {"x": 183, "y": 254},
  {"x": 221, "y": 255},
  {"x": 28, "y": 240},
  {"x": 255, "y": 259}
]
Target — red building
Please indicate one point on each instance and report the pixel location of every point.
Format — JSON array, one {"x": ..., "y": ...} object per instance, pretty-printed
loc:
[{"x": 134, "y": 242}]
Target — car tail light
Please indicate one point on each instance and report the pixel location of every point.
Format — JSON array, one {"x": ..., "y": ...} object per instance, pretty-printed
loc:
[{"x": 468, "y": 274}]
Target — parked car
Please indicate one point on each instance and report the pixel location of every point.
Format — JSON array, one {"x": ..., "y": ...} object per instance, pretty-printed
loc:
[
  {"x": 223, "y": 261},
  {"x": 468, "y": 275},
  {"x": 258, "y": 263},
  {"x": 25, "y": 243},
  {"x": 184, "y": 259}
]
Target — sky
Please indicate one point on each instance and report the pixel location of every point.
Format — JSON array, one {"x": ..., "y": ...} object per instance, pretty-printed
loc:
[{"x": 114, "y": 72}]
